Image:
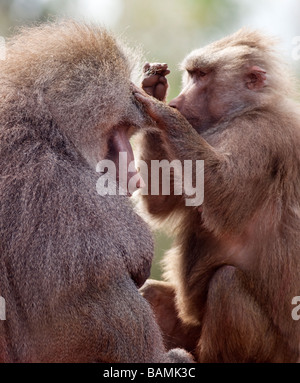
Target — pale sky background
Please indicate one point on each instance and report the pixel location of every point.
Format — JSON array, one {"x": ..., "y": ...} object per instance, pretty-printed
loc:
[
  {"x": 272, "y": 16},
  {"x": 275, "y": 17}
]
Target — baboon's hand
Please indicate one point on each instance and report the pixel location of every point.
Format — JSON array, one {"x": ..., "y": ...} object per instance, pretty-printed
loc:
[
  {"x": 155, "y": 83},
  {"x": 166, "y": 117}
]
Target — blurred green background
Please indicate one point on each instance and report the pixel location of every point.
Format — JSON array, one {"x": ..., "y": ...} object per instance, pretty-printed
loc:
[{"x": 166, "y": 31}]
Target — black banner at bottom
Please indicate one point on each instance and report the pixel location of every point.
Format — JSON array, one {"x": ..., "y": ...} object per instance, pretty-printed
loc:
[{"x": 145, "y": 372}]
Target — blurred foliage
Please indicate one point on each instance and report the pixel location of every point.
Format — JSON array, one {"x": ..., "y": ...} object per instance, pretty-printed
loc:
[{"x": 163, "y": 243}]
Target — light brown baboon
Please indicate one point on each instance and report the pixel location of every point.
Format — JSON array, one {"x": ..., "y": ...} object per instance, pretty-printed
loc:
[
  {"x": 234, "y": 267},
  {"x": 70, "y": 260}
]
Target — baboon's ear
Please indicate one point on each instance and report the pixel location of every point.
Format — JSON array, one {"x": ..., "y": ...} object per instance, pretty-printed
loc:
[{"x": 255, "y": 78}]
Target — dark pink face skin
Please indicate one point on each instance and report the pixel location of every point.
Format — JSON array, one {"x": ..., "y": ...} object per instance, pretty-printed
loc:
[
  {"x": 193, "y": 101},
  {"x": 120, "y": 144}
]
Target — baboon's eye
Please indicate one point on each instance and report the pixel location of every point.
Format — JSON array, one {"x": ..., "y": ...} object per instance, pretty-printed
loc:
[
  {"x": 196, "y": 73},
  {"x": 201, "y": 73}
]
